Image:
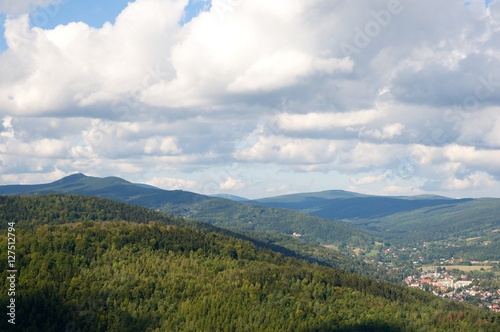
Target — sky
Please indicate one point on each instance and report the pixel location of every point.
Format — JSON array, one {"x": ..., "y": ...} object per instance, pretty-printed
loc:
[{"x": 254, "y": 98}]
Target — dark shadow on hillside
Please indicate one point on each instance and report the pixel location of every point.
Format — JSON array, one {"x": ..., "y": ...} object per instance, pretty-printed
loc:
[
  {"x": 364, "y": 327},
  {"x": 42, "y": 310}
]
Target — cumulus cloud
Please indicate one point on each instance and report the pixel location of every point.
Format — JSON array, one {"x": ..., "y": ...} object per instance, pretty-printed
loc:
[
  {"x": 471, "y": 181},
  {"x": 173, "y": 183},
  {"x": 462, "y": 182},
  {"x": 369, "y": 179},
  {"x": 231, "y": 184},
  {"x": 399, "y": 190},
  {"x": 288, "y": 151},
  {"x": 74, "y": 66},
  {"x": 414, "y": 104},
  {"x": 325, "y": 121},
  {"x": 282, "y": 69},
  {"x": 389, "y": 131},
  {"x": 7, "y": 126},
  {"x": 43, "y": 148}
]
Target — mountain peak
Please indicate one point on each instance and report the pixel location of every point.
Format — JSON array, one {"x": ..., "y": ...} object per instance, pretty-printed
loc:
[
  {"x": 76, "y": 176},
  {"x": 72, "y": 178}
]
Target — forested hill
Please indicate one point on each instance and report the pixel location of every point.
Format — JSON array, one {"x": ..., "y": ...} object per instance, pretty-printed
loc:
[
  {"x": 86, "y": 264},
  {"x": 212, "y": 210},
  {"x": 31, "y": 211},
  {"x": 401, "y": 219}
]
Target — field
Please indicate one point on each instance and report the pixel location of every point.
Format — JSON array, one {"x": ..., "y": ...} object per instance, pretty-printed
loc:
[{"x": 460, "y": 267}]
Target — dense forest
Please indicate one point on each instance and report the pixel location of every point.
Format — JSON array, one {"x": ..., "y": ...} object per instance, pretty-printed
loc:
[
  {"x": 35, "y": 210},
  {"x": 88, "y": 264},
  {"x": 246, "y": 216}
]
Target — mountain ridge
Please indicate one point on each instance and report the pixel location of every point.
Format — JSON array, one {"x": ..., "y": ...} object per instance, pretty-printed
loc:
[
  {"x": 331, "y": 217},
  {"x": 216, "y": 211}
]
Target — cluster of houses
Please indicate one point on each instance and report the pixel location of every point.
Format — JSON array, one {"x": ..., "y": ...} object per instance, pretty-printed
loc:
[
  {"x": 456, "y": 288},
  {"x": 441, "y": 282}
]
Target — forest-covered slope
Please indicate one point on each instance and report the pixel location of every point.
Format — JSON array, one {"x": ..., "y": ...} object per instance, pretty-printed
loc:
[
  {"x": 212, "y": 210},
  {"x": 144, "y": 271},
  {"x": 31, "y": 211},
  {"x": 405, "y": 219}
]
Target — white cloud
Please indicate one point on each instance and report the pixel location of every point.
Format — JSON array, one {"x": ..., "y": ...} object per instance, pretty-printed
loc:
[
  {"x": 173, "y": 183},
  {"x": 282, "y": 69},
  {"x": 74, "y": 65},
  {"x": 486, "y": 160},
  {"x": 43, "y": 148},
  {"x": 285, "y": 150},
  {"x": 7, "y": 125},
  {"x": 325, "y": 121},
  {"x": 389, "y": 131},
  {"x": 471, "y": 181},
  {"x": 35, "y": 177},
  {"x": 231, "y": 184},
  {"x": 161, "y": 145},
  {"x": 121, "y": 139},
  {"x": 370, "y": 179},
  {"x": 400, "y": 191}
]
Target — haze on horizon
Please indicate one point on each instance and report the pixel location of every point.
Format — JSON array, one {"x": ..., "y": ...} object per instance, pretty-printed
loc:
[{"x": 254, "y": 98}]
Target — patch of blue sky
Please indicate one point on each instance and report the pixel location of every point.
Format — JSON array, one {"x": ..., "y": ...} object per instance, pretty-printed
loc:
[
  {"x": 194, "y": 8},
  {"x": 486, "y": 3},
  {"x": 3, "y": 42},
  {"x": 92, "y": 12}
]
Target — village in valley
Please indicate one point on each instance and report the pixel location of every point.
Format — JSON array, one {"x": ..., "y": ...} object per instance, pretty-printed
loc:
[
  {"x": 471, "y": 281},
  {"x": 456, "y": 285}
]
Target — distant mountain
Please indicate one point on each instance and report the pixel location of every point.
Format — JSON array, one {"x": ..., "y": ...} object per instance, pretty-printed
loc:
[
  {"x": 230, "y": 197},
  {"x": 338, "y": 204},
  {"x": 212, "y": 210},
  {"x": 110, "y": 187},
  {"x": 399, "y": 218}
]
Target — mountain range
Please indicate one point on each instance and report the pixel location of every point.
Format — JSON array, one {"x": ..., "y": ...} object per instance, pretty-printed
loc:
[
  {"x": 333, "y": 217},
  {"x": 212, "y": 210},
  {"x": 404, "y": 218}
]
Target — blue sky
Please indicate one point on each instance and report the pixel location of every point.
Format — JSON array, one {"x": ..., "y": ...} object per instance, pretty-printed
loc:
[{"x": 255, "y": 98}]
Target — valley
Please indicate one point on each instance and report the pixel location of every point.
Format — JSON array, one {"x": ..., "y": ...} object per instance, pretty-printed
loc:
[{"x": 409, "y": 265}]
